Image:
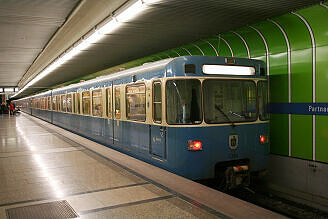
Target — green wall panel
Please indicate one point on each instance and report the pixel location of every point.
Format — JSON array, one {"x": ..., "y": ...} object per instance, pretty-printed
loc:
[
  {"x": 163, "y": 55},
  {"x": 279, "y": 78},
  {"x": 207, "y": 49},
  {"x": 237, "y": 45},
  {"x": 193, "y": 50},
  {"x": 322, "y": 97},
  {"x": 254, "y": 41},
  {"x": 155, "y": 58},
  {"x": 301, "y": 82},
  {"x": 302, "y": 136},
  {"x": 172, "y": 53},
  {"x": 279, "y": 134},
  {"x": 301, "y": 74},
  {"x": 317, "y": 17},
  {"x": 273, "y": 36},
  {"x": 181, "y": 51},
  {"x": 296, "y": 30},
  {"x": 279, "y": 93},
  {"x": 301, "y": 89},
  {"x": 223, "y": 48},
  {"x": 322, "y": 74},
  {"x": 322, "y": 138}
]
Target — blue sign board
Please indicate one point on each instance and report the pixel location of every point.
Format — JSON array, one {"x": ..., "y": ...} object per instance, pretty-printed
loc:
[{"x": 299, "y": 108}]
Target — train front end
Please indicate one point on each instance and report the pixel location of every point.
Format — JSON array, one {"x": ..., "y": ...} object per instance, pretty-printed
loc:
[{"x": 218, "y": 125}]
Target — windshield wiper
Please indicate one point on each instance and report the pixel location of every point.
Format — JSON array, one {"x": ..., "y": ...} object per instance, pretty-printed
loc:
[
  {"x": 225, "y": 115},
  {"x": 237, "y": 114}
]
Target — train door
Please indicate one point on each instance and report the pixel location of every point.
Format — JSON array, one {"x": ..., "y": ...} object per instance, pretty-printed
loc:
[
  {"x": 112, "y": 110},
  {"x": 157, "y": 144},
  {"x": 110, "y": 121},
  {"x": 117, "y": 129}
]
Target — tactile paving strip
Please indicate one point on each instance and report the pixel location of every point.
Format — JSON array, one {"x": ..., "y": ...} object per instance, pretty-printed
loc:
[{"x": 57, "y": 209}]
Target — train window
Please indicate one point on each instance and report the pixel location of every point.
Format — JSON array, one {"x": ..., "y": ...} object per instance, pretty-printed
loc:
[
  {"x": 73, "y": 102},
  {"x": 57, "y": 103},
  {"x": 117, "y": 102},
  {"x": 49, "y": 103},
  {"x": 109, "y": 102},
  {"x": 78, "y": 106},
  {"x": 262, "y": 92},
  {"x": 183, "y": 101},
  {"x": 227, "y": 101},
  {"x": 86, "y": 103},
  {"x": 53, "y": 103},
  {"x": 136, "y": 102},
  {"x": 97, "y": 108},
  {"x": 63, "y": 103},
  {"x": 69, "y": 103},
  {"x": 157, "y": 102}
]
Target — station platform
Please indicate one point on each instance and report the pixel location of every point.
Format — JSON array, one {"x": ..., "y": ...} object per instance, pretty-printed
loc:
[{"x": 49, "y": 172}]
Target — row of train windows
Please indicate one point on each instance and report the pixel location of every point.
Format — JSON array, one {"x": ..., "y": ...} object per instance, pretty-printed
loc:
[
  {"x": 92, "y": 102},
  {"x": 187, "y": 101}
]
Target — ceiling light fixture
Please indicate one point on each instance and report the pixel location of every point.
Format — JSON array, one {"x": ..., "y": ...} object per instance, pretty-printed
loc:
[{"x": 127, "y": 13}]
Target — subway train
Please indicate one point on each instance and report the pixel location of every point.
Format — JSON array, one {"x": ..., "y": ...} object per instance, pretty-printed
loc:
[{"x": 200, "y": 117}]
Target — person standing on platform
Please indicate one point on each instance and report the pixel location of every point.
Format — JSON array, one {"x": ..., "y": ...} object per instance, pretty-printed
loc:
[
  {"x": 11, "y": 109},
  {"x": 3, "y": 106}
]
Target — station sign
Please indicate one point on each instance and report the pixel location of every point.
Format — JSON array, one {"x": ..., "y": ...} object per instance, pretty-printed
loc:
[{"x": 299, "y": 108}]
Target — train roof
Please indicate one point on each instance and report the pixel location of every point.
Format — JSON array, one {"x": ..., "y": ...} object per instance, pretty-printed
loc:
[
  {"x": 153, "y": 66},
  {"x": 147, "y": 67}
]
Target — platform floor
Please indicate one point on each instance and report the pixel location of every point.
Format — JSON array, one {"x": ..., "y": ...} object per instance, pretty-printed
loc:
[{"x": 41, "y": 163}]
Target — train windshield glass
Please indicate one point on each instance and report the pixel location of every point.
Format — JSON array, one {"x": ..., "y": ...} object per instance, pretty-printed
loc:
[
  {"x": 262, "y": 92},
  {"x": 229, "y": 101},
  {"x": 183, "y": 100}
]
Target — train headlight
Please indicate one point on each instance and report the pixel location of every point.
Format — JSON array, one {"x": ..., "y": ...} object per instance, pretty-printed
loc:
[
  {"x": 195, "y": 146},
  {"x": 264, "y": 139}
]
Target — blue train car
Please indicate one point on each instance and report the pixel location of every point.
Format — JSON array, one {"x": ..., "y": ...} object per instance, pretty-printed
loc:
[{"x": 197, "y": 116}]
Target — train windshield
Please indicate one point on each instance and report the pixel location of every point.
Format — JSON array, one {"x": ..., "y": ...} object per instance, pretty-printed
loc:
[
  {"x": 229, "y": 101},
  {"x": 183, "y": 100}
]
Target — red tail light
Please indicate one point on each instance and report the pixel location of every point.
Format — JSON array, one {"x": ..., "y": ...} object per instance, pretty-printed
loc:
[
  {"x": 195, "y": 145},
  {"x": 263, "y": 139}
]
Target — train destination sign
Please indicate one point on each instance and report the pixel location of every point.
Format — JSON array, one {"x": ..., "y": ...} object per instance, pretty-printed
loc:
[{"x": 299, "y": 108}]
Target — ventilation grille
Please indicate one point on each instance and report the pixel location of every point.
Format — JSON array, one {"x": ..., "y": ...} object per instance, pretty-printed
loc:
[{"x": 57, "y": 209}]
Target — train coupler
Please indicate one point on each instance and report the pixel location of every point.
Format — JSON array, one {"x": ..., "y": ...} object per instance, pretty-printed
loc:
[{"x": 237, "y": 176}]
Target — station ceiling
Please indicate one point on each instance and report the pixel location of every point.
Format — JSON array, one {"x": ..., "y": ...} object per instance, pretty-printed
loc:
[{"x": 35, "y": 32}]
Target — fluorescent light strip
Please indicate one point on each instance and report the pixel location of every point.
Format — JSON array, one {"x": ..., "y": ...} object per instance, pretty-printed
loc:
[{"x": 124, "y": 15}]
